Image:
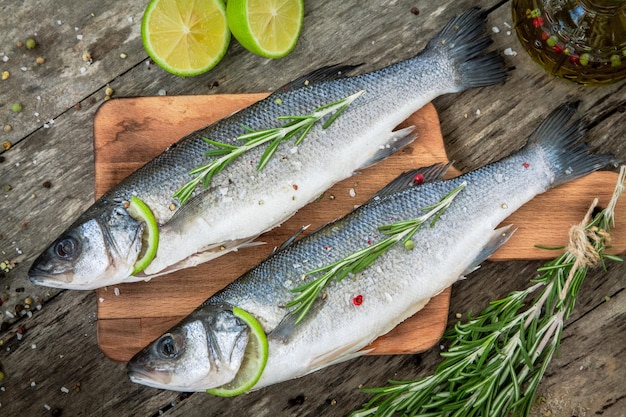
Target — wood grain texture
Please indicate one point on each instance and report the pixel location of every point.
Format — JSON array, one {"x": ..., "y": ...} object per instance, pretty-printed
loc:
[{"x": 129, "y": 132}]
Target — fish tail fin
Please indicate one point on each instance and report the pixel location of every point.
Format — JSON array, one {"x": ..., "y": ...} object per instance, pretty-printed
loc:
[
  {"x": 558, "y": 137},
  {"x": 463, "y": 42}
]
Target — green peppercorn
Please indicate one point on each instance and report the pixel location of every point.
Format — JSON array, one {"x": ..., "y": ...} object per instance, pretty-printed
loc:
[
  {"x": 30, "y": 43},
  {"x": 16, "y": 107},
  {"x": 584, "y": 59}
]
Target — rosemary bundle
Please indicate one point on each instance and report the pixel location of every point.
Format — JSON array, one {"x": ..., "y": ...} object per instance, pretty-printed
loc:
[{"x": 496, "y": 360}]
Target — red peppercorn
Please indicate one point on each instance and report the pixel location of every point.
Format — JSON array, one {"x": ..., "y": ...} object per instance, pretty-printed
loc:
[
  {"x": 419, "y": 178},
  {"x": 358, "y": 300}
]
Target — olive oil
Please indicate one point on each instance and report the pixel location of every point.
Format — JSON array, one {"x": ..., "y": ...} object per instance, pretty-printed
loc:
[{"x": 583, "y": 41}]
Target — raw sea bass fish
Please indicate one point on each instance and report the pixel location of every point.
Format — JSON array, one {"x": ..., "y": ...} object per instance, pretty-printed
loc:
[
  {"x": 204, "y": 349},
  {"x": 241, "y": 202}
]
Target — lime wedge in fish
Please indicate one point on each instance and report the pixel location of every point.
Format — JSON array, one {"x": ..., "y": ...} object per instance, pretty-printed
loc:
[
  {"x": 269, "y": 28},
  {"x": 255, "y": 358},
  {"x": 185, "y": 37},
  {"x": 140, "y": 211}
]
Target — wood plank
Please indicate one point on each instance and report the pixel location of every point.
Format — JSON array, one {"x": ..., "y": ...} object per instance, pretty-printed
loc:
[{"x": 129, "y": 132}]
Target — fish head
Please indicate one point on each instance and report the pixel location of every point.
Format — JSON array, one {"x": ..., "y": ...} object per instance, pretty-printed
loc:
[
  {"x": 97, "y": 250},
  {"x": 203, "y": 351}
]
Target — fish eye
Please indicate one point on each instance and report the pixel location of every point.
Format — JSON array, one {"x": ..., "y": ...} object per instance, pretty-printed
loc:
[
  {"x": 166, "y": 347},
  {"x": 66, "y": 248}
]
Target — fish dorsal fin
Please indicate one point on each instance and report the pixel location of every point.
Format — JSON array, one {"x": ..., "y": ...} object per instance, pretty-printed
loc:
[
  {"x": 289, "y": 241},
  {"x": 498, "y": 238},
  {"x": 413, "y": 178},
  {"x": 397, "y": 140},
  {"x": 330, "y": 72}
]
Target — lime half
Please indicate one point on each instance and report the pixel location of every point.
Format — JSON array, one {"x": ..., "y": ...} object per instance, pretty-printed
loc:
[
  {"x": 254, "y": 361},
  {"x": 269, "y": 28},
  {"x": 140, "y": 211},
  {"x": 185, "y": 37}
]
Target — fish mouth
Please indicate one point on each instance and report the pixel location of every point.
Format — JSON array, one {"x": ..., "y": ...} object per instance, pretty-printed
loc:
[
  {"x": 140, "y": 375},
  {"x": 43, "y": 277},
  {"x": 59, "y": 280}
]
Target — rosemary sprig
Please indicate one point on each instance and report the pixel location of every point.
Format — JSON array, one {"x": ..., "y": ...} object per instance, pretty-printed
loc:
[
  {"x": 356, "y": 262},
  {"x": 225, "y": 153},
  {"x": 496, "y": 360}
]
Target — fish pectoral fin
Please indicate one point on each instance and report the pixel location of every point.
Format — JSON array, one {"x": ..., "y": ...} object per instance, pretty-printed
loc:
[
  {"x": 287, "y": 326},
  {"x": 408, "y": 179},
  {"x": 340, "y": 354},
  {"x": 397, "y": 140},
  {"x": 498, "y": 238}
]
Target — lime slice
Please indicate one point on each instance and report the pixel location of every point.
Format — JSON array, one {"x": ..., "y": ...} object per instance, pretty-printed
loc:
[
  {"x": 140, "y": 211},
  {"x": 185, "y": 37},
  {"x": 269, "y": 28},
  {"x": 255, "y": 358}
]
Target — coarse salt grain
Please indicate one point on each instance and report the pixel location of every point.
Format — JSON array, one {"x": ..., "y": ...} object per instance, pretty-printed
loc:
[
  {"x": 510, "y": 52},
  {"x": 82, "y": 70},
  {"x": 65, "y": 390},
  {"x": 495, "y": 29},
  {"x": 478, "y": 112},
  {"x": 101, "y": 299},
  {"x": 33, "y": 346},
  {"x": 116, "y": 291},
  {"x": 352, "y": 192},
  {"x": 162, "y": 92},
  {"x": 33, "y": 383},
  {"x": 79, "y": 37},
  {"x": 5, "y": 58},
  {"x": 47, "y": 407}
]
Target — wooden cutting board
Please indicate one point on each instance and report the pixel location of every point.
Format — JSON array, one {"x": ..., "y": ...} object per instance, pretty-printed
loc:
[{"x": 128, "y": 132}]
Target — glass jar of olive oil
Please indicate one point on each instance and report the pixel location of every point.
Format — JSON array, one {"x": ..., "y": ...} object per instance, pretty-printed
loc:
[{"x": 578, "y": 40}]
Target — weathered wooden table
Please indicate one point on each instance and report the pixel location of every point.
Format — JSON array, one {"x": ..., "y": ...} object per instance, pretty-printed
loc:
[{"x": 49, "y": 352}]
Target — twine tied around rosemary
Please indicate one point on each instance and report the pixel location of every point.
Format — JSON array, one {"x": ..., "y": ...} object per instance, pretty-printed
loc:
[{"x": 582, "y": 246}]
